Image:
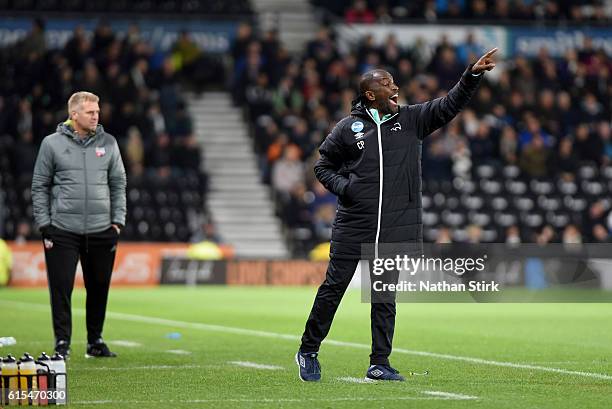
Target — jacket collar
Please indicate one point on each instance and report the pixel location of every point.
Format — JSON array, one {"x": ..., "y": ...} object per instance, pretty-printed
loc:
[
  {"x": 65, "y": 128},
  {"x": 360, "y": 109}
]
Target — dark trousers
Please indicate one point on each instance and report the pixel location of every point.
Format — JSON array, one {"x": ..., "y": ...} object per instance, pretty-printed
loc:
[
  {"x": 97, "y": 254},
  {"x": 382, "y": 315}
]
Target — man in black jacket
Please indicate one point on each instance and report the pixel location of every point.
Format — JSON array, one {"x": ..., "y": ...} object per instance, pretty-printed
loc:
[{"x": 372, "y": 161}]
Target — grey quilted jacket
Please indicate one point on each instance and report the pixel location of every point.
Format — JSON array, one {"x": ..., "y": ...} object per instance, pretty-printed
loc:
[{"x": 79, "y": 185}]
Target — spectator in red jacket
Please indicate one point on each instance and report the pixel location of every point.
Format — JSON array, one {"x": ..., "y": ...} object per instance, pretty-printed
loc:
[{"x": 359, "y": 13}]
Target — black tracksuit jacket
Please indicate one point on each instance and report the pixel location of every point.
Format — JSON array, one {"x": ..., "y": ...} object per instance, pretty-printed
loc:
[{"x": 375, "y": 170}]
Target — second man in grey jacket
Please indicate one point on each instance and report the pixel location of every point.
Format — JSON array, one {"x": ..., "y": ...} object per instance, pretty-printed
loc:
[{"x": 79, "y": 199}]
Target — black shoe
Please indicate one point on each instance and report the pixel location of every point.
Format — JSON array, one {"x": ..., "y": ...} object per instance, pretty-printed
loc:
[
  {"x": 310, "y": 369},
  {"x": 99, "y": 350},
  {"x": 383, "y": 373},
  {"x": 63, "y": 348}
]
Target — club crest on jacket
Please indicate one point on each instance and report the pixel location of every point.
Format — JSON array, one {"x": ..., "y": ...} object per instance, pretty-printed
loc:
[{"x": 357, "y": 126}]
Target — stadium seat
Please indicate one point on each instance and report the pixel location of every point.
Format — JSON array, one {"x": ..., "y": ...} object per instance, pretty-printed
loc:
[
  {"x": 532, "y": 220},
  {"x": 523, "y": 204},
  {"x": 489, "y": 235},
  {"x": 558, "y": 219},
  {"x": 430, "y": 218},
  {"x": 511, "y": 172},
  {"x": 505, "y": 219},
  {"x": 452, "y": 202},
  {"x": 491, "y": 187},
  {"x": 574, "y": 204},
  {"x": 587, "y": 171},
  {"x": 472, "y": 202},
  {"x": 439, "y": 200},
  {"x": 516, "y": 187},
  {"x": 453, "y": 219},
  {"x": 464, "y": 185},
  {"x": 548, "y": 203},
  {"x": 541, "y": 187},
  {"x": 567, "y": 188},
  {"x": 499, "y": 203},
  {"x": 459, "y": 235},
  {"x": 479, "y": 218},
  {"x": 593, "y": 188},
  {"x": 485, "y": 171},
  {"x": 607, "y": 172}
]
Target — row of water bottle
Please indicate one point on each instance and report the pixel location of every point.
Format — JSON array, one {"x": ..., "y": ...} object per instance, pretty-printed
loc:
[{"x": 33, "y": 382}]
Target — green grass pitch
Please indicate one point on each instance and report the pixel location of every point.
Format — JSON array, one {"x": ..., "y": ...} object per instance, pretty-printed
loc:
[{"x": 479, "y": 355}]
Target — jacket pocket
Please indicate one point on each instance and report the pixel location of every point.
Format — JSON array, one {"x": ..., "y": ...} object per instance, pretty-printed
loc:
[{"x": 347, "y": 196}]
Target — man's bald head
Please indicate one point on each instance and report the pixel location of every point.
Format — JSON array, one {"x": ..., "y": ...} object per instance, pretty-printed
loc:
[
  {"x": 368, "y": 80},
  {"x": 378, "y": 91}
]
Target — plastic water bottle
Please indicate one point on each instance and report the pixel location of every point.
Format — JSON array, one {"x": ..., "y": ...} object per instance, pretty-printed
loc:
[
  {"x": 27, "y": 379},
  {"x": 6, "y": 341},
  {"x": 9, "y": 369},
  {"x": 42, "y": 370},
  {"x": 1, "y": 385},
  {"x": 58, "y": 365}
]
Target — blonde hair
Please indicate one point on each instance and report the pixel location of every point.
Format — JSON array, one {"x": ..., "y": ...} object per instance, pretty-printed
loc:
[{"x": 78, "y": 98}]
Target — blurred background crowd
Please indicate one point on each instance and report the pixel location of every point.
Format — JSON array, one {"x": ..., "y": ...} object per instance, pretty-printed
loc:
[
  {"x": 530, "y": 160},
  {"x": 500, "y": 11},
  {"x": 141, "y": 104}
]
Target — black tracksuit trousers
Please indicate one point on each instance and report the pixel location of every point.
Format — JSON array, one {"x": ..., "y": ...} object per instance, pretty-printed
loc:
[
  {"x": 338, "y": 276},
  {"x": 97, "y": 254}
]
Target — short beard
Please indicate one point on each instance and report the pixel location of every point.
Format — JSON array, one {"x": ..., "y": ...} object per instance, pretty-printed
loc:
[
  {"x": 388, "y": 109},
  {"x": 383, "y": 109}
]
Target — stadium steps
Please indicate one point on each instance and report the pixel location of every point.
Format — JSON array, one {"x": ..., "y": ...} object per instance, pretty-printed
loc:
[
  {"x": 294, "y": 20},
  {"x": 240, "y": 204}
]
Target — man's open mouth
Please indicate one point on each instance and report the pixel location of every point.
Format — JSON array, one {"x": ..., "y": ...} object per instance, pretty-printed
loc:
[{"x": 393, "y": 98}]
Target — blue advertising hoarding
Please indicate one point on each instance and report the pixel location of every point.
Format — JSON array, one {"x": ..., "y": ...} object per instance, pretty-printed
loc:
[
  {"x": 211, "y": 36},
  {"x": 510, "y": 40},
  {"x": 529, "y": 41}
]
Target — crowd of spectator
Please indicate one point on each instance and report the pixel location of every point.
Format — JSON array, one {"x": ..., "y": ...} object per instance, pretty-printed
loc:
[
  {"x": 131, "y": 8},
  {"x": 140, "y": 104},
  {"x": 386, "y": 11},
  {"x": 544, "y": 115}
]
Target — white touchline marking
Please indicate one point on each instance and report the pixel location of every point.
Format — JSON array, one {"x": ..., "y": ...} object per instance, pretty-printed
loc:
[
  {"x": 178, "y": 352},
  {"x": 352, "y": 379},
  {"x": 266, "y": 400},
  {"x": 124, "y": 343},
  {"x": 294, "y": 338},
  {"x": 553, "y": 362},
  {"x": 144, "y": 367},
  {"x": 248, "y": 364},
  {"x": 449, "y": 395}
]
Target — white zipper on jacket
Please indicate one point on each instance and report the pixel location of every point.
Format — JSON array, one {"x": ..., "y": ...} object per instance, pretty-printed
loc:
[{"x": 380, "y": 182}]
